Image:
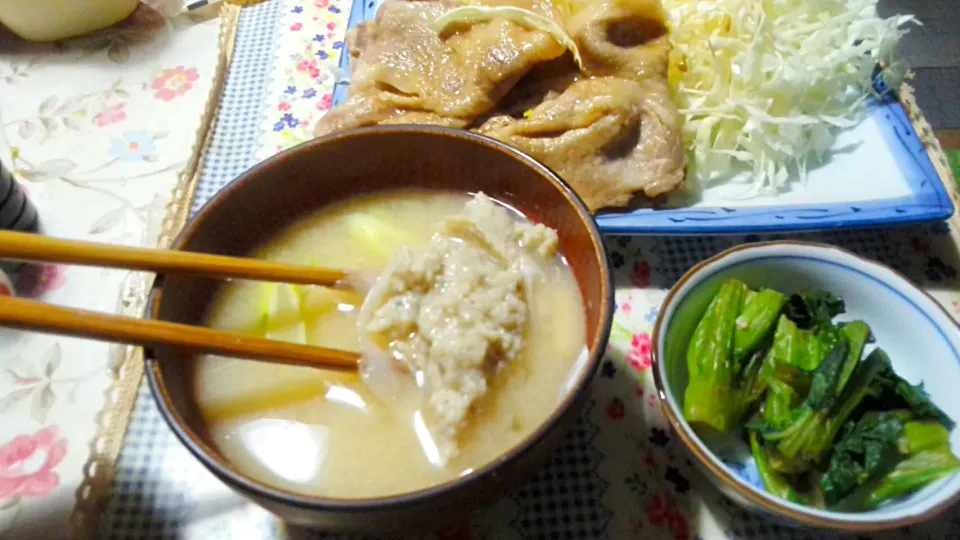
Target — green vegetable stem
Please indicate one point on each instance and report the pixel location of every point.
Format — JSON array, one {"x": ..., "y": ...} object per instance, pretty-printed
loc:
[
  {"x": 857, "y": 334},
  {"x": 823, "y": 413},
  {"x": 781, "y": 402},
  {"x": 773, "y": 481},
  {"x": 710, "y": 398},
  {"x": 913, "y": 473},
  {"x": 753, "y": 381},
  {"x": 863, "y": 453},
  {"x": 754, "y": 323},
  {"x": 920, "y": 436},
  {"x": 802, "y": 349}
]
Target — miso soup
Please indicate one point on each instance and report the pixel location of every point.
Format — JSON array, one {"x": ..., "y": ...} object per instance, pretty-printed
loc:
[{"x": 332, "y": 434}]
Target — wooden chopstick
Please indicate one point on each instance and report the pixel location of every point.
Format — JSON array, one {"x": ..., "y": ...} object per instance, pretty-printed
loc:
[
  {"x": 36, "y": 247},
  {"x": 46, "y": 318}
]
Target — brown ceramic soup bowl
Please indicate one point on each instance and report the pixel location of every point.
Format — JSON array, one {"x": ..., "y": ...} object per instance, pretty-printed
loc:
[{"x": 300, "y": 181}]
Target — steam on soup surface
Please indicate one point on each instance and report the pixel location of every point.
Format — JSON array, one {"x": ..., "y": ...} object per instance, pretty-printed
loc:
[{"x": 329, "y": 434}]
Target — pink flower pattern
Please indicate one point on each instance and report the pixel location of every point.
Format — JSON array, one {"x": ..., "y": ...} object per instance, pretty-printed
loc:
[
  {"x": 27, "y": 463},
  {"x": 325, "y": 102},
  {"x": 312, "y": 31},
  {"x": 111, "y": 115},
  {"x": 310, "y": 67},
  {"x": 175, "y": 82},
  {"x": 662, "y": 512},
  {"x": 639, "y": 354},
  {"x": 35, "y": 281}
]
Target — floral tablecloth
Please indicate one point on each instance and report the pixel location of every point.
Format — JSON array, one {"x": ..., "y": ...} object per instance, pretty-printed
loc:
[
  {"x": 620, "y": 474},
  {"x": 99, "y": 131}
]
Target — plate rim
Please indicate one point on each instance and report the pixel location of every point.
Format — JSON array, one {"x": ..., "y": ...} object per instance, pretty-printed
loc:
[{"x": 929, "y": 200}]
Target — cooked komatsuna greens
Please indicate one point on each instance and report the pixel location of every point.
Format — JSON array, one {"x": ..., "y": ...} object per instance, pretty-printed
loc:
[{"x": 828, "y": 424}]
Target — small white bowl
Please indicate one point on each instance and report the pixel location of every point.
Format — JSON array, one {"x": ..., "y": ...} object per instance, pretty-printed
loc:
[{"x": 922, "y": 340}]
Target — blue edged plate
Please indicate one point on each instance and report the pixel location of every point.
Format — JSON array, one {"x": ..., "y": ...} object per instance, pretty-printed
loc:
[{"x": 878, "y": 174}]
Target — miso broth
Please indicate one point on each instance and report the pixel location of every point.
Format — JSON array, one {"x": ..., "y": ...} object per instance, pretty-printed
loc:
[{"x": 327, "y": 434}]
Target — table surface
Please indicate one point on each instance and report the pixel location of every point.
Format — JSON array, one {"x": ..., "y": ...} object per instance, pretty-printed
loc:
[
  {"x": 97, "y": 130},
  {"x": 621, "y": 473}
]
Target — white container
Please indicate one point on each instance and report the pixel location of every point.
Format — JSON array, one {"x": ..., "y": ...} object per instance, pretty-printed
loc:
[
  {"x": 53, "y": 20},
  {"x": 922, "y": 340}
]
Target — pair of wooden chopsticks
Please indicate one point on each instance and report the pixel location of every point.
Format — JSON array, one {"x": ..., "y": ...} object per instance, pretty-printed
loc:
[{"x": 39, "y": 317}]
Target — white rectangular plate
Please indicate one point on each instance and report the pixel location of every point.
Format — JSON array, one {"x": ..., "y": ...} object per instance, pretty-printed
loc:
[{"x": 879, "y": 174}]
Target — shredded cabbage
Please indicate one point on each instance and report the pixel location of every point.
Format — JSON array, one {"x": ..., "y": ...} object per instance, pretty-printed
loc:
[
  {"x": 523, "y": 17},
  {"x": 766, "y": 83}
]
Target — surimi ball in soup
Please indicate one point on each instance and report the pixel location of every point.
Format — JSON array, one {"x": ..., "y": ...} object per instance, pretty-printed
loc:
[{"x": 461, "y": 274}]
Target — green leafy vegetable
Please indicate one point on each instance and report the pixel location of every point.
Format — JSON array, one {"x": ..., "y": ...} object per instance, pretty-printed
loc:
[
  {"x": 893, "y": 392},
  {"x": 920, "y": 436},
  {"x": 912, "y": 474},
  {"x": 773, "y": 481},
  {"x": 825, "y": 385},
  {"x": 771, "y": 368},
  {"x": 811, "y": 310},
  {"x": 813, "y": 429},
  {"x": 781, "y": 464},
  {"x": 797, "y": 378},
  {"x": 755, "y": 322},
  {"x": 781, "y": 401},
  {"x": 802, "y": 349},
  {"x": 710, "y": 398},
  {"x": 862, "y": 454},
  {"x": 826, "y": 427},
  {"x": 817, "y": 499},
  {"x": 753, "y": 382},
  {"x": 819, "y": 399},
  {"x": 857, "y": 334}
]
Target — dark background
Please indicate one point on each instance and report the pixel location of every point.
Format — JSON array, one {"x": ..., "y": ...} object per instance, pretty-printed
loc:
[{"x": 932, "y": 51}]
